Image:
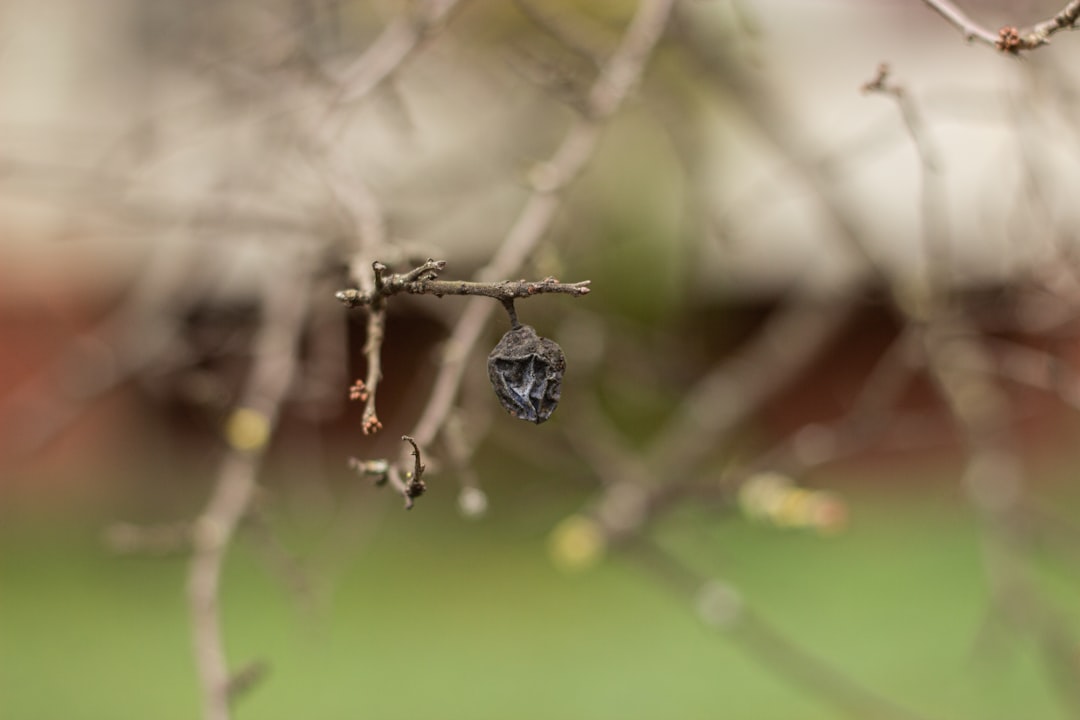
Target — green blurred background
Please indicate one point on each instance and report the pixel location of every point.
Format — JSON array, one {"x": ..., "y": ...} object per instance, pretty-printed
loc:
[{"x": 425, "y": 614}]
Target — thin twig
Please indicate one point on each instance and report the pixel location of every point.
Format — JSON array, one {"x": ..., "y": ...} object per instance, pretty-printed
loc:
[
  {"x": 1008, "y": 39},
  {"x": 392, "y": 48},
  {"x": 415, "y": 487},
  {"x": 422, "y": 281},
  {"x": 932, "y": 189},
  {"x": 376, "y": 331},
  {"x": 410, "y": 487},
  {"x": 970, "y": 29}
]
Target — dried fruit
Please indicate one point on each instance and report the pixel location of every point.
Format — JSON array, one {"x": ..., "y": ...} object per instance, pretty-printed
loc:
[{"x": 526, "y": 371}]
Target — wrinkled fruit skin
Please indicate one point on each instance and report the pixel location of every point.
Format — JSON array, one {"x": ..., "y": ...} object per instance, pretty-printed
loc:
[{"x": 526, "y": 371}]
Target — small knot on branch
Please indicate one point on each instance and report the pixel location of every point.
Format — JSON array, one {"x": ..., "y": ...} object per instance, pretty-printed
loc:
[{"x": 428, "y": 271}]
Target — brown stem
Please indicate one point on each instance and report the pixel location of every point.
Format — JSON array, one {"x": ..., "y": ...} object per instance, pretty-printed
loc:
[
  {"x": 376, "y": 330},
  {"x": 422, "y": 281}
]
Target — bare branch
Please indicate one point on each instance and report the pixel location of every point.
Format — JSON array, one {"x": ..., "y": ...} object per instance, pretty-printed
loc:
[
  {"x": 1008, "y": 39},
  {"x": 410, "y": 487},
  {"x": 970, "y": 29},
  {"x": 415, "y": 486},
  {"x": 422, "y": 281},
  {"x": 394, "y": 46},
  {"x": 250, "y": 427},
  {"x": 933, "y": 192},
  {"x": 376, "y": 329}
]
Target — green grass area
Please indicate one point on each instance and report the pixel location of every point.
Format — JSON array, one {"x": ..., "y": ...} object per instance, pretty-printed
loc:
[{"x": 436, "y": 617}]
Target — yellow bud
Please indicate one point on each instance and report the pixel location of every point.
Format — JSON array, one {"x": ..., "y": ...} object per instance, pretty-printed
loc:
[
  {"x": 247, "y": 429},
  {"x": 577, "y": 543},
  {"x": 762, "y": 495}
]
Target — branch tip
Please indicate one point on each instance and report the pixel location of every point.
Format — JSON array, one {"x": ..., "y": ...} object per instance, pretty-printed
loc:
[{"x": 415, "y": 487}]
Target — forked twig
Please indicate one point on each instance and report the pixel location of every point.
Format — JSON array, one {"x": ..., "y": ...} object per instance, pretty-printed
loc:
[{"x": 423, "y": 280}]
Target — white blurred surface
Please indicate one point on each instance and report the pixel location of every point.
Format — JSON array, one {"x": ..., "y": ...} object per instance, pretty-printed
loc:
[{"x": 108, "y": 151}]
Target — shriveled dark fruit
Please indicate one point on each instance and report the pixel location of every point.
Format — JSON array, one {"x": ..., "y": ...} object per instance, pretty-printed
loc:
[{"x": 526, "y": 371}]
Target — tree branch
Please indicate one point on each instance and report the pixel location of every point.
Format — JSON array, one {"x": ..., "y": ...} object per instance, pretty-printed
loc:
[
  {"x": 968, "y": 27},
  {"x": 422, "y": 281},
  {"x": 410, "y": 488},
  {"x": 392, "y": 48},
  {"x": 249, "y": 429},
  {"x": 932, "y": 188},
  {"x": 1008, "y": 39}
]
